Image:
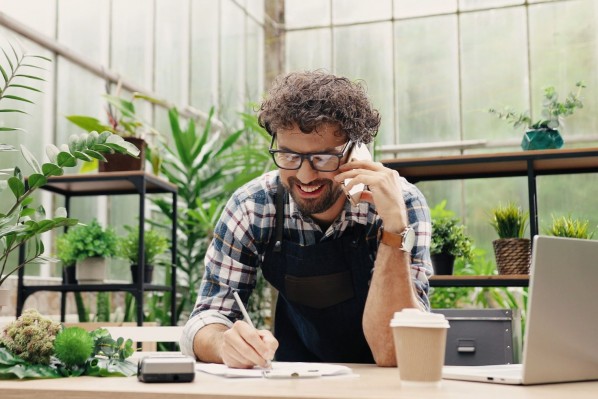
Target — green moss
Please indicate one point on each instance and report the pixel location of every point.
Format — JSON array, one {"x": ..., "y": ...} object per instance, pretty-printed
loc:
[{"x": 73, "y": 346}]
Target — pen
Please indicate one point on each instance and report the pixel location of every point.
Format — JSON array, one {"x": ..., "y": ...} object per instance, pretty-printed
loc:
[{"x": 247, "y": 319}]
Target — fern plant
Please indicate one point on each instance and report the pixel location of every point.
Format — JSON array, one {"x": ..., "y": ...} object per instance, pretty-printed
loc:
[{"x": 21, "y": 222}]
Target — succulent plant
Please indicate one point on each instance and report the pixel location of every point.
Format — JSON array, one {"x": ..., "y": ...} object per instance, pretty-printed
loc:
[{"x": 73, "y": 346}]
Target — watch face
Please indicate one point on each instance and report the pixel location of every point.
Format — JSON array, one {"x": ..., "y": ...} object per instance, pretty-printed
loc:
[{"x": 408, "y": 239}]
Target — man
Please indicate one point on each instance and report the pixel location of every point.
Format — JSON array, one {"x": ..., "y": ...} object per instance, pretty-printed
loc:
[{"x": 341, "y": 270}]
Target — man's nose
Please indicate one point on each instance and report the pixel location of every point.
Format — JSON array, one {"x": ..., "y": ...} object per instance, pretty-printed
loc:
[{"x": 306, "y": 173}]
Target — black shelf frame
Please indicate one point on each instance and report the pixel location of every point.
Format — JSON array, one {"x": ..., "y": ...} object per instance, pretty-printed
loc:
[
  {"x": 530, "y": 164},
  {"x": 110, "y": 183}
]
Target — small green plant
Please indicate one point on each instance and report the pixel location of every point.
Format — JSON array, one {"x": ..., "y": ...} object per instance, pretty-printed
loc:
[
  {"x": 567, "y": 226},
  {"x": 448, "y": 235},
  {"x": 553, "y": 111},
  {"x": 509, "y": 221},
  {"x": 31, "y": 337},
  {"x": 73, "y": 346},
  {"x": 155, "y": 245},
  {"x": 87, "y": 241}
]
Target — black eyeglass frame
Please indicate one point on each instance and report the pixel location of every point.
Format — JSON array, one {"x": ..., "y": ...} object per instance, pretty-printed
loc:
[{"x": 309, "y": 156}]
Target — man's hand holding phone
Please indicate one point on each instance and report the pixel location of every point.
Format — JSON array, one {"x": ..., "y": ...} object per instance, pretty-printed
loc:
[{"x": 359, "y": 152}]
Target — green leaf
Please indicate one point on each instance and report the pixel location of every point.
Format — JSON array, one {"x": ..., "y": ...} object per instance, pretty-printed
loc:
[
  {"x": 66, "y": 159},
  {"x": 88, "y": 123},
  {"x": 30, "y": 77},
  {"x": 12, "y": 68},
  {"x": 37, "y": 180},
  {"x": 82, "y": 156},
  {"x": 52, "y": 152},
  {"x": 18, "y": 98},
  {"x": 4, "y": 75},
  {"x": 50, "y": 169},
  {"x": 27, "y": 212},
  {"x": 25, "y": 87},
  {"x": 27, "y": 201},
  {"x": 14, "y": 110},
  {"x": 10, "y": 129},
  {"x": 30, "y": 158},
  {"x": 95, "y": 154},
  {"x": 102, "y": 148},
  {"x": 16, "y": 186}
]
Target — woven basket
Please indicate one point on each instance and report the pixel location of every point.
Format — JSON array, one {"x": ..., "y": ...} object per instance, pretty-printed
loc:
[{"x": 512, "y": 255}]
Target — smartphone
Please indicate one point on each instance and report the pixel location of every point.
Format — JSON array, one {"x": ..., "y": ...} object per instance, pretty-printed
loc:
[{"x": 359, "y": 151}]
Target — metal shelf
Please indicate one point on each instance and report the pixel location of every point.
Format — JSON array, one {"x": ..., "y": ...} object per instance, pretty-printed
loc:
[
  {"x": 109, "y": 183},
  {"x": 515, "y": 280}
]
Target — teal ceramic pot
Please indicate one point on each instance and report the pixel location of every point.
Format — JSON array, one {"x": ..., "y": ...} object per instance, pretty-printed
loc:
[{"x": 542, "y": 139}]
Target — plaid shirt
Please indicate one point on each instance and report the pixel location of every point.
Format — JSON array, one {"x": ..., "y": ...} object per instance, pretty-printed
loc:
[{"x": 246, "y": 227}]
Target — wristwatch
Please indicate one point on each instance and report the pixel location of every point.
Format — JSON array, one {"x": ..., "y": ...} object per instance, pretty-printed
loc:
[{"x": 405, "y": 240}]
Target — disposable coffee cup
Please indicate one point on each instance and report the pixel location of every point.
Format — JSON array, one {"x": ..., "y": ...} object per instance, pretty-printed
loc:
[{"x": 420, "y": 341}]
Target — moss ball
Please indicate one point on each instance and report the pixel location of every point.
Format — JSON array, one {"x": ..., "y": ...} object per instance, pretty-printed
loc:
[{"x": 73, "y": 346}]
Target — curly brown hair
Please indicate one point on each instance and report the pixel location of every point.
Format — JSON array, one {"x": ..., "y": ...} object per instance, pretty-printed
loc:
[{"x": 312, "y": 98}]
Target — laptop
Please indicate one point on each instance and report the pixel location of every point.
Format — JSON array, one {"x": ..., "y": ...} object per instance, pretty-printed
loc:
[{"x": 561, "y": 338}]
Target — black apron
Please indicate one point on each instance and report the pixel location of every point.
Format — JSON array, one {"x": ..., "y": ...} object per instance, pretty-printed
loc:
[{"x": 322, "y": 293}]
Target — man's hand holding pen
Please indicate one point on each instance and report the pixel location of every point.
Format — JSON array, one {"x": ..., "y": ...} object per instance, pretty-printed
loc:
[{"x": 244, "y": 346}]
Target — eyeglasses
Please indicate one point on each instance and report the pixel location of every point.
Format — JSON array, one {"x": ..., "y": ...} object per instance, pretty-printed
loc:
[{"x": 320, "y": 161}]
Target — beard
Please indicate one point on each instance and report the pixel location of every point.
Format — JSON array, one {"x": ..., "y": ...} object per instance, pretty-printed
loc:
[{"x": 312, "y": 206}]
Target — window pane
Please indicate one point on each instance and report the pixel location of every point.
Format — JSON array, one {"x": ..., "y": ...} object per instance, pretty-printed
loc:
[
  {"x": 564, "y": 49},
  {"x": 302, "y": 13},
  {"x": 308, "y": 50},
  {"x": 204, "y": 54},
  {"x": 427, "y": 83},
  {"x": 494, "y": 71},
  {"x": 466, "y": 5},
  {"x": 255, "y": 61},
  {"x": 356, "y": 58},
  {"x": 349, "y": 11},
  {"x": 232, "y": 66},
  {"x": 416, "y": 8}
]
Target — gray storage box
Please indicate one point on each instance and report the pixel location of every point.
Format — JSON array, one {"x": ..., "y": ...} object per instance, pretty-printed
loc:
[{"x": 482, "y": 336}]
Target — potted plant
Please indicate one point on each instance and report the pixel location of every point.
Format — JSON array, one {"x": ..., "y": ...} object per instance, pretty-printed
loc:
[
  {"x": 123, "y": 121},
  {"x": 449, "y": 240},
  {"x": 20, "y": 221},
  {"x": 91, "y": 245},
  {"x": 511, "y": 250},
  {"x": 544, "y": 134},
  {"x": 155, "y": 244},
  {"x": 64, "y": 252},
  {"x": 567, "y": 226}
]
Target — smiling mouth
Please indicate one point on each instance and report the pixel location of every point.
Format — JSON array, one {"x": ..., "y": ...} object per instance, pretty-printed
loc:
[{"x": 309, "y": 189}]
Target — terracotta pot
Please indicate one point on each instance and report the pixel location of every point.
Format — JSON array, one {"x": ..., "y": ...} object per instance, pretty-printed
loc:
[{"x": 121, "y": 162}]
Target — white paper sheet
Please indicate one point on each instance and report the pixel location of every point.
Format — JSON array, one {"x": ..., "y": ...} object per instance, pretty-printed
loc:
[{"x": 292, "y": 369}]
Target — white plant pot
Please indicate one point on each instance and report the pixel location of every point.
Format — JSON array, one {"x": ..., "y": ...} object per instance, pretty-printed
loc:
[
  {"x": 4, "y": 297},
  {"x": 91, "y": 270}
]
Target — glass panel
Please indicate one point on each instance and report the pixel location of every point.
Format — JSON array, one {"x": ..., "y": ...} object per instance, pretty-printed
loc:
[
  {"x": 466, "y": 5},
  {"x": 417, "y": 8},
  {"x": 302, "y": 13},
  {"x": 204, "y": 54},
  {"x": 255, "y": 62},
  {"x": 356, "y": 58},
  {"x": 256, "y": 9},
  {"x": 232, "y": 45},
  {"x": 43, "y": 19},
  {"x": 131, "y": 41},
  {"x": 563, "y": 50},
  {"x": 427, "y": 79},
  {"x": 349, "y": 11},
  {"x": 171, "y": 75},
  {"x": 494, "y": 71},
  {"x": 308, "y": 50}
]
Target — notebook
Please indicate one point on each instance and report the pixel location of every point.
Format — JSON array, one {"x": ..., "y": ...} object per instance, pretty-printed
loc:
[{"x": 561, "y": 338}]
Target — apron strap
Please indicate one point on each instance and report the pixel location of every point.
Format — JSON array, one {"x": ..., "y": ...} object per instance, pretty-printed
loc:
[{"x": 280, "y": 197}]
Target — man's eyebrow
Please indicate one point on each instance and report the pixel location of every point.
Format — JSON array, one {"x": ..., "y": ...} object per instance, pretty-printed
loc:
[{"x": 329, "y": 150}]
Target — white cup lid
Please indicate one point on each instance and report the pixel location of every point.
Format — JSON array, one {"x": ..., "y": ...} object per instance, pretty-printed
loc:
[{"x": 411, "y": 317}]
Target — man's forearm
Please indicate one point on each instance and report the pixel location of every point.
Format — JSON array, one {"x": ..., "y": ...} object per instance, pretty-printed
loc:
[
  {"x": 391, "y": 290},
  {"x": 207, "y": 343}
]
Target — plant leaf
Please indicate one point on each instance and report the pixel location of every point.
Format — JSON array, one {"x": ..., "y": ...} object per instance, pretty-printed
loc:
[
  {"x": 37, "y": 180},
  {"x": 50, "y": 169},
  {"x": 18, "y": 98},
  {"x": 16, "y": 186},
  {"x": 30, "y": 159}
]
